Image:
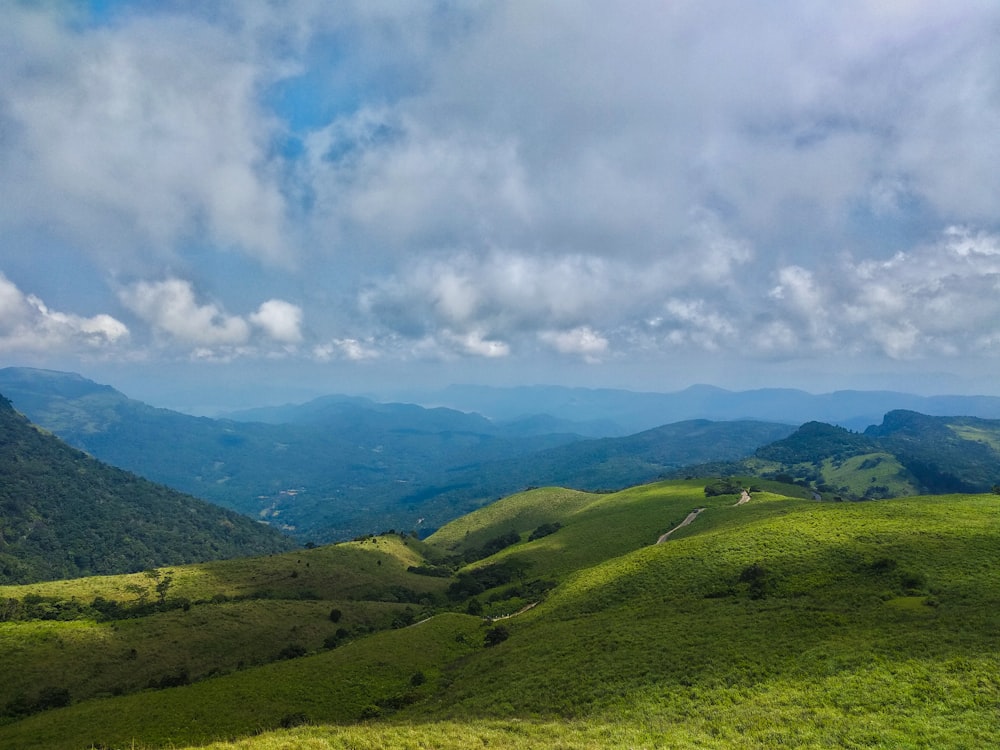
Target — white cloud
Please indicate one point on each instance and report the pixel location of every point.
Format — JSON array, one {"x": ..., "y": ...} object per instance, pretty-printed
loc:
[
  {"x": 511, "y": 180},
  {"x": 350, "y": 349},
  {"x": 280, "y": 320},
  {"x": 582, "y": 340},
  {"x": 147, "y": 132},
  {"x": 171, "y": 309},
  {"x": 28, "y": 325}
]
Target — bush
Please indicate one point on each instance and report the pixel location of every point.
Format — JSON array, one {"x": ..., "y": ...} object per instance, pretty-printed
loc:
[
  {"x": 296, "y": 719},
  {"x": 292, "y": 651},
  {"x": 544, "y": 530},
  {"x": 335, "y": 615},
  {"x": 496, "y": 635}
]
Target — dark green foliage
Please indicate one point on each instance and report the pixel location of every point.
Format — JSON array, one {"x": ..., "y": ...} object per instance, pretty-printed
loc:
[
  {"x": 418, "y": 678},
  {"x": 293, "y": 651},
  {"x": 816, "y": 441},
  {"x": 436, "y": 571},
  {"x": 335, "y": 615},
  {"x": 405, "y": 618},
  {"x": 544, "y": 530},
  {"x": 63, "y": 514},
  {"x": 495, "y": 636},
  {"x": 946, "y": 454},
  {"x": 492, "y": 546},
  {"x": 178, "y": 678},
  {"x": 47, "y": 698},
  {"x": 758, "y": 580},
  {"x": 297, "y": 719},
  {"x": 478, "y": 580},
  {"x": 723, "y": 487}
]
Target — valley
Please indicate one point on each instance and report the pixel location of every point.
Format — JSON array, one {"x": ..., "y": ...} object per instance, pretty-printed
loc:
[{"x": 803, "y": 586}]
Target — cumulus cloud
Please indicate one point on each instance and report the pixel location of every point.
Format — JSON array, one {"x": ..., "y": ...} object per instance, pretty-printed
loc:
[
  {"x": 583, "y": 341},
  {"x": 939, "y": 299},
  {"x": 171, "y": 309},
  {"x": 515, "y": 180},
  {"x": 280, "y": 320},
  {"x": 174, "y": 313},
  {"x": 28, "y": 325},
  {"x": 146, "y": 132}
]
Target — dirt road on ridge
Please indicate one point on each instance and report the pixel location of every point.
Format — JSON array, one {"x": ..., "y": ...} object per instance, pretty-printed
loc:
[{"x": 690, "y": 517}]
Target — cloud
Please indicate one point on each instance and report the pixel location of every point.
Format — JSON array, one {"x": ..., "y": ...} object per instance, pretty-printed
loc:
[
  {"x": 511, "y": 181},
  {"x": 280, "y": 320},
  {"x": 937, "y": 300},
  {"x": 349, "y": 349},
  {"x": 583, "y": 340},
  {"x": 28, "y": 325},
  {"x": 146, "y": 132},
  {"x": 171, "y": 309}
]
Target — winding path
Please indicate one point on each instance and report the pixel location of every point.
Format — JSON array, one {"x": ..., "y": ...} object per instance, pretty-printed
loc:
[{"x": 690, "y": 517}]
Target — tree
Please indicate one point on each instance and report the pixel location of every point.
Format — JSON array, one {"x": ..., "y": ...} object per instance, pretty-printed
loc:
[{"x": 496, "y": 635}]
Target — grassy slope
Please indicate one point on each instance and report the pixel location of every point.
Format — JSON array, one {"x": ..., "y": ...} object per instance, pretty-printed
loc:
[
  {"x": 244, "y": 613},
  {"x": 863, "y": 625}
]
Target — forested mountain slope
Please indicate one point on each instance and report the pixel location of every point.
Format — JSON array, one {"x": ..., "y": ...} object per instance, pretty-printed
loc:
[{"x": 64, "y": 514}]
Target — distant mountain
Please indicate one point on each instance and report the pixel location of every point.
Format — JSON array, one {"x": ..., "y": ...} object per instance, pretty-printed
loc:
[
  {"x": 632, "y": 412},
  {"x": 907, "y": 454},
  {"x": 64, "y": 514},
  {"x": 339, "y": 467}
]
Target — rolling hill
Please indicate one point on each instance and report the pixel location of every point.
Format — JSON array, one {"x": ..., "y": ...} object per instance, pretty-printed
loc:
[
  {"x": 65, "y": 514},
  {"x": 781, "y": 621}
]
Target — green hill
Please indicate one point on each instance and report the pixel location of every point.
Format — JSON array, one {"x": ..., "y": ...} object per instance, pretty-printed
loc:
[
  {"x": 781, "y": 621},
  {"x": 908, "y": 454},
  {"x": 65, "y": 514}
]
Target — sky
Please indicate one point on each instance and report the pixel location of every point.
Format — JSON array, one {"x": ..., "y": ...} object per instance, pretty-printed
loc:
[{"x": 214, "y": 204}]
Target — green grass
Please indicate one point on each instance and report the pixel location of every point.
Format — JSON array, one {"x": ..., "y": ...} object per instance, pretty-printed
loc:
[
  {"x": 858, "y": 474},
  {"x": 523, "y": 512},
  {"x": 336, "y": 686},
  {"x": 783, "y": 622}
]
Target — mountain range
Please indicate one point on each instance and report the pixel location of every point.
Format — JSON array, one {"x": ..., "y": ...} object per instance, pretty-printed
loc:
[
  {"x": 620, "y": 412},
  {"x": 342, "y": 466}
]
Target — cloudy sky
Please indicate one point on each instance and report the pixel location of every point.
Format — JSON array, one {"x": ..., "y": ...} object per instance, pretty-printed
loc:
[{"x": 206, "y": 202}]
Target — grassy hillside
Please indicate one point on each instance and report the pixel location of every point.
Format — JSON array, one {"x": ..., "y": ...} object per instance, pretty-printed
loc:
[
  {"x": 777, "y": 622},
  {"x": 65, "y": 514},
  {"x": 112, "y": 635},
  {"x": 908, "y": 454}
]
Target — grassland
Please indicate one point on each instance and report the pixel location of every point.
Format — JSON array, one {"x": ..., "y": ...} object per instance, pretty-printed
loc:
[{"x": 783, "y": 622}]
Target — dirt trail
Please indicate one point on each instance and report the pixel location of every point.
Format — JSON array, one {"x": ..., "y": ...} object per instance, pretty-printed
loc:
[
  {"x": 690, "y": 517},
  {"x": 521, "y": 611},
  {"x": 744, "y": 498}
]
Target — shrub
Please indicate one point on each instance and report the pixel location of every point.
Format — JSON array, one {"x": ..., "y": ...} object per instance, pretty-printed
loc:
[
  {"x": 292, "y": 651},
  {"x": 296, "y": 719},
  {"x": 496, "y": 635},
  {"x": 544, "y": 530}
]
